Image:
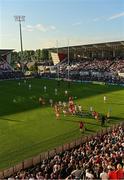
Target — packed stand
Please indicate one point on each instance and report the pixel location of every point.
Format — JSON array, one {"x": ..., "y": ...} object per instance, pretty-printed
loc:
[
  {"x": 118, "y": 66},
  {"x": 93, "y": 70},
  {"x": 101, "y": 157},
  {"x": 98, "y": 65},
  {"x": 11, "y": 75},
  {"x": 95, "y": 64},
  {"x": 6, "y": 71}
]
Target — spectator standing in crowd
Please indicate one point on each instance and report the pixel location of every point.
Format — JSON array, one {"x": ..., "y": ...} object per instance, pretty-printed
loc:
[
  {"x": 89, "y": 175},
  {"x": 120, "y": 171},
  {"x": 77, "y": 172},
  {"x": 104, "y": 174}
]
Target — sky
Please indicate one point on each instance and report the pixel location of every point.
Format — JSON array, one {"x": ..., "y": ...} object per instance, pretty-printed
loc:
[{"x": 52, "y": 23}]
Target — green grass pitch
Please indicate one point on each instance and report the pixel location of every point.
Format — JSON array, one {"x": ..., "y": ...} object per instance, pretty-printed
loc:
[{"x": 27, "y": 129}]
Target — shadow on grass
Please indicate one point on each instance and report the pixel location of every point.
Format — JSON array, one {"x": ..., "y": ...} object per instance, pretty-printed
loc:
[
  {"x": 117, "y": 118},
  {"x": 89, "y": 130},
  {"x": 7, "y": 119},
  {"x": 92, "y": 123},
  {"x": 85, "y": 122}
]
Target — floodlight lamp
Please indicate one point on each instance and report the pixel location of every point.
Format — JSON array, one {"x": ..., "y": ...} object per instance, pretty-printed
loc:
[{"x": 19, "y": 18}]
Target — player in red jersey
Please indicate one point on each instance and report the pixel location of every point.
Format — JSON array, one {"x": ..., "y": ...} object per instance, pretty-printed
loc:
[
  {"x": 81, "y": 125},
  {"x": 71, "y": 106}
]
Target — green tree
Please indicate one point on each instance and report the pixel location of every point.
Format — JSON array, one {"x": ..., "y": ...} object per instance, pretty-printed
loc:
[
  {"x": 38, "y": 54},
  {"x": 14, "y": 58},
  {"x": 45, "y": 55}
]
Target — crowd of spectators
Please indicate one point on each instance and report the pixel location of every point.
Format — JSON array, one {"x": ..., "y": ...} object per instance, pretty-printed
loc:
[
  {"x": 83, "y": 69},
  {"x": 91, "y": 70},
  {"x": 100, "y": 157},
  {"x": 7, "y": 72},
  {"x": 95, "y": 65},
  {"x": 98, "y": 65},
  {"x": 4, "y": 65},
  {"x": 117, "y": 66},
  {"x": 11, "y": 74}
]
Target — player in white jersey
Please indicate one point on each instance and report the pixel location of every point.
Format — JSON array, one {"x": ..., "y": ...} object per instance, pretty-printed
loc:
[
  {"x": 104, "y": 99},
  {"x": 14, "y": 100},
  {"x": 91, "y": 109},
  {"x": 66, "y": 92},
  {"x": 51, "y": 102},
  {"x": 45, "y": 88},
  {"x": 29, "y": 86},
  {"x": 79, "y": 108},
  {"x": 56, "y": 91}
]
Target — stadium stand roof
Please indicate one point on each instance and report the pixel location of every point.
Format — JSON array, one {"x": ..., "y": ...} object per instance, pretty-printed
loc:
[
  {"x": 5, "y": 51},
  {"x": 107, "y": 46}
]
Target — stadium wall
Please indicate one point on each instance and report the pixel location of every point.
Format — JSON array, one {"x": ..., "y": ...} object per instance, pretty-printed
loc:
[{"x": 37, "y": 159}]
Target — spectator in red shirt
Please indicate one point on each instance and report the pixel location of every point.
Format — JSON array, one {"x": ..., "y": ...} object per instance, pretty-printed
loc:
[
  {"x": 120, "y": 172},
  {"x": 112, "y": 173}
]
